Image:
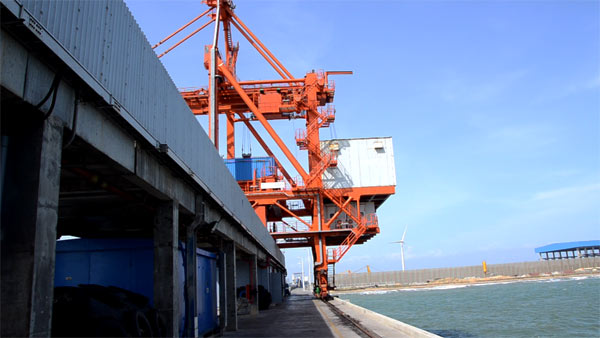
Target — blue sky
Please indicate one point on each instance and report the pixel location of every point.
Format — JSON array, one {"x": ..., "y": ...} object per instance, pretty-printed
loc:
[{"x": 494, "y": 109}]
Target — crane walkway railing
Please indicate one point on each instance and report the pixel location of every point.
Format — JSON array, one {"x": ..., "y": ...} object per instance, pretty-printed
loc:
[
  {"x": 334, "y": 255},
  {"x": 325, "y": 117},
  {"x": 337, "y": 197}
]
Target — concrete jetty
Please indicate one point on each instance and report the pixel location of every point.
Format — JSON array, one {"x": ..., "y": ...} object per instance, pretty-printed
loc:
[{"x": 302, "y": 315}]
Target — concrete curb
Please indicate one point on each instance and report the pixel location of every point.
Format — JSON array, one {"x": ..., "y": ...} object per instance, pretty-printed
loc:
[{"x": 383, "y": 326}]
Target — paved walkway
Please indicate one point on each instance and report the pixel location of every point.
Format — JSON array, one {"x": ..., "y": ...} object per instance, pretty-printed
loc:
[{"x": 300, "y": 315}]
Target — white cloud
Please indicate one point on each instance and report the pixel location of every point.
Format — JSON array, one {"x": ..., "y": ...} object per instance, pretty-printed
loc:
[
  {"x": 458, "y": 88},
  {"x": 569, "y": 89},
  {"x": 520, "y": 138},
  {"x": 567, "y": 192}
]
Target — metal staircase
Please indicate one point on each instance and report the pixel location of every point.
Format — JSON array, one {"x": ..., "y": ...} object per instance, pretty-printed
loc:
[
  {"x": 337, "y": 197},
  {"x": 327, "y": 158},
  {"x": 331, "y": 276}
]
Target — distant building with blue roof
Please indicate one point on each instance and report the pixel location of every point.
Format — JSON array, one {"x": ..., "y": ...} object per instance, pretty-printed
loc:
[{"x": 568, "y": 250}]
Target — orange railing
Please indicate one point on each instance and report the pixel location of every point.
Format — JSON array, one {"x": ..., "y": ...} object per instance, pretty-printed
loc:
[{"x": 335, "y": 254}]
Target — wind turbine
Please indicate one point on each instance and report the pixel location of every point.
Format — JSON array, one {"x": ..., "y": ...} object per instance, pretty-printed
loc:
[{"x": 402, "y": 246}]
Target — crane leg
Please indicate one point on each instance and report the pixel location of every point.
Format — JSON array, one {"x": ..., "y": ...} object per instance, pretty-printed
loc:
[{"x": 322, "y": 286}]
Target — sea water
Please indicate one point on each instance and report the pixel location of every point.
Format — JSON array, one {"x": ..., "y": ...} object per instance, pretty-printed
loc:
[{"x": 560, "y": 307}]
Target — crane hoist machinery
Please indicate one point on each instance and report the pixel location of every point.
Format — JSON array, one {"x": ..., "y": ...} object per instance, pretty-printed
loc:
[{"x": 331, "y": 206}]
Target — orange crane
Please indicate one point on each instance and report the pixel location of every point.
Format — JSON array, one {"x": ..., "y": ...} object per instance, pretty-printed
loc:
[{"x": 275, "y": 195}]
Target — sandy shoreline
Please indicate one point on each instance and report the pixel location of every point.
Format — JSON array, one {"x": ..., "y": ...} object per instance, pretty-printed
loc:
[{"x": 586, "y": 272}]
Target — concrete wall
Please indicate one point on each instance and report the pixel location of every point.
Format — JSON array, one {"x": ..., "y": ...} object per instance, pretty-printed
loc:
[{"x": 424, "y": 275}]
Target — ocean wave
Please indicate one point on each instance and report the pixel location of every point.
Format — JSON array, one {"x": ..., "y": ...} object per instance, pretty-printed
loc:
[
  {"x": 379, "y": 292},
  {"x": 439, "y": 287},
  {"x": 563, "y": 279},
  {"x": 497, "y": 283},
  {"x": 486, "y": 283}
]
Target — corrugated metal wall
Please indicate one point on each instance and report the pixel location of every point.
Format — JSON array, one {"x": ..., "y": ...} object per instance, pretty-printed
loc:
[
  {"x": 107, "y": 41},
  {"x": 362, "y": 162},
  {"x": 424, "y": 275}
]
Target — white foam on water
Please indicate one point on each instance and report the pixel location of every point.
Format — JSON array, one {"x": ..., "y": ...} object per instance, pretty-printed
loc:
[
  {"x": 460, "y": 286},
  {"x": 583, "y": 277},
  {"x": 440, "y": 287},
  {"x": 375, "y": 292},
  {"x": 497, "y": 283}
]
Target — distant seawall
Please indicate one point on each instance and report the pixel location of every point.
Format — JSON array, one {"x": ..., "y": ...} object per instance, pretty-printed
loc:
[{"x": 388, "y": 278}]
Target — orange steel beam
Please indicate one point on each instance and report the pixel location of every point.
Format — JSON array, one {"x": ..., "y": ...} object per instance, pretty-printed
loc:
[
  {"x": 293, "y": 215},
  {"x": 259, "y": 82},
  {"x": 236, "y": 19},
  {"x": 339, "y": 72},
  {"x": 230, "y": 136},
  {"x": 187, "y": 37},
  {"x": 258, "y": 49},
  {"x": 267, "y": 149},
  {"x": 262, "y": 120},
  {"x": 343, "y": 206},
  {"x": 338, "y": 213},
  {"x": 291, "y": 226},
  {"x": 292, "y": 245},
  {"x": 182, "y": 28}
]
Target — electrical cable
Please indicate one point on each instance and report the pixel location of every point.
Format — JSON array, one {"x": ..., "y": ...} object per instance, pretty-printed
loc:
[
  {"x": 74, "y": 124},
  {"x": 52, "y": 91},
  {"x": 244, "y": 135}
]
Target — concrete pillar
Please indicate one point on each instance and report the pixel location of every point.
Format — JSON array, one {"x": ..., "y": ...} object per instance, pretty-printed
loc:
[
  {"x": 191, "y": 280},
  {"x": 229, "y": 286},
  {"x": 221, "y": 267},
  {"x": 29, "y": 219},
  {"x": 254, "y": 283},
  {"x": 166, "y": 266}
]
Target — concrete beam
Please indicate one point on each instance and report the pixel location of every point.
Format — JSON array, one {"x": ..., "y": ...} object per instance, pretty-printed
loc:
[
  {"x": 232, "y": 232},
  {"x": 159, "y": 179},
  {"x": 166, "y": 266},
  {"x": 30, "y": 205}
]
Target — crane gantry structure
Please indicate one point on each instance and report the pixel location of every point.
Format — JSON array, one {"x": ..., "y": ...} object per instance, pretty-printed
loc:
[{"x": 274, "y": 193}]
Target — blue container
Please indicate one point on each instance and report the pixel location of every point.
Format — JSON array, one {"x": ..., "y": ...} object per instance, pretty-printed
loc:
[
  {"x": 264, "y": 166},
  {"x": 129, "y": 264},
  {"x": 230, "y": 164},
  {"x": 243, "y": 169},
  {"x": 125, "y": 263}
]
